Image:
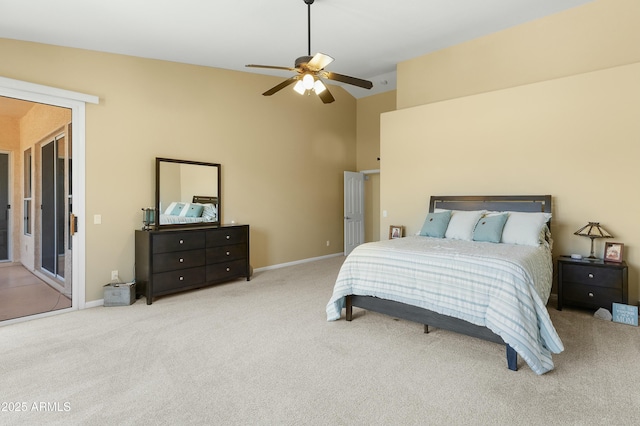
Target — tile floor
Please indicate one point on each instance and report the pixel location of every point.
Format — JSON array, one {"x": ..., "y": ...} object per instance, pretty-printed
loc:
[{"x": 23, "y": 294}]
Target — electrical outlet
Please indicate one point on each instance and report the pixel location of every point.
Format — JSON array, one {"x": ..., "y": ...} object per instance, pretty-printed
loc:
[{"x": 114, "y": 275}]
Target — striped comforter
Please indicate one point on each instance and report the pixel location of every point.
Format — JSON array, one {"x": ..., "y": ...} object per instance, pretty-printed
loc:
[{"x": 504, "y": 287}]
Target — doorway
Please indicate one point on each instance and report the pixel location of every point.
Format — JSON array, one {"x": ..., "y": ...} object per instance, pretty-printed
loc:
[{"x": 76, "y": 103}]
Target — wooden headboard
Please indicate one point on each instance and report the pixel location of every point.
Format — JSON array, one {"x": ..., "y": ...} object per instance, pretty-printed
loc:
[
  {"x": 205, "y": 199},
  {"x": 518, "y": 203}
]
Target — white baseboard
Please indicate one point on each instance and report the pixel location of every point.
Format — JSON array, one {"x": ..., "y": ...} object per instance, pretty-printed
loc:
[
  {"x": 298, "y": 262},
  {"x": 100, "y": 302}
]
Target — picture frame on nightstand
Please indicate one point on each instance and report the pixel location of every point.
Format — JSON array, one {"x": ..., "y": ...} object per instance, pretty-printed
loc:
[
  {"x": 613, "y": 252},
  {"x": 396, "y": 231}
]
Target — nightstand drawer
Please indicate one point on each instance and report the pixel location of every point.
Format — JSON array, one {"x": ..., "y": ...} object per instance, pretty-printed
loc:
[
  {"x": 592, "y": 276},
  {"x": 591, "y": 296}
]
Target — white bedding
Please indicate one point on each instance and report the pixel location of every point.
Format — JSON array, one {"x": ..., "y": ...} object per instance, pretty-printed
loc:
[{"x": 504, "y": 287}]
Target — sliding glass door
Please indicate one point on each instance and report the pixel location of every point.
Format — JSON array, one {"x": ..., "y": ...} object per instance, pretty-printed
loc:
[
  {"x": 5, "y": 207},
  {"x": 54, "y": 206}
]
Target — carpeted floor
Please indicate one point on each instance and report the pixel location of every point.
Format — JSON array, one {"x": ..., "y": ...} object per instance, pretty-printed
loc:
[{"x": 262, "y": 352}]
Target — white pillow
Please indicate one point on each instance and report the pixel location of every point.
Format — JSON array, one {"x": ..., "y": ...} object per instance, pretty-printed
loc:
[
  {"x": 524, "y": 228},
  {"x": 462, "y": 224}
]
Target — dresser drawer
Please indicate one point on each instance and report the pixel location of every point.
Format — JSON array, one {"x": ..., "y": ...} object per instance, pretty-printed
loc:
[
  {"x": 593, "y": 276},
  {"x": 226, "y": 253},
  {"x": 178, "y": 241},
  {"x": 227, "y": 270},
  {"x": 173, "y": 280},
  {"x": 163, "y": 262},
  {"x": 225, "y": 236},
  {"x": 591, "y": 295}
]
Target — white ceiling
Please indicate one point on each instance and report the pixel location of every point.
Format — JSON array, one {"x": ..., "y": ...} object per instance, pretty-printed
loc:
[{"x": 367, "y": 38}]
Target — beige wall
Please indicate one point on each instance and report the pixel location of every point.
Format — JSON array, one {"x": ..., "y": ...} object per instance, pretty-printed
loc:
[
  {"x": 282, "y": 156},
  {"x": 368, "y": 152},
  {"x": 527, "y": 119},
  {"x": 597, "y": 35}
]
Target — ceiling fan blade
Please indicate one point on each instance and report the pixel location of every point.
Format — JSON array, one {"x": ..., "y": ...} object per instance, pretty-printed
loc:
[
  {"x": 326, "y": 96},
  {"x": 365, "y": 84},
  {"x": 280, "y": 86},
  {"x": 272, "y": 67},
  {"x": 319, "y": 61}
]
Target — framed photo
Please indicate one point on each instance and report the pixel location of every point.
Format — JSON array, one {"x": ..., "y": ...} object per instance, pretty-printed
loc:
[
  {"x": 613, "y": 252},
  {"x": 396, "y": 231}
]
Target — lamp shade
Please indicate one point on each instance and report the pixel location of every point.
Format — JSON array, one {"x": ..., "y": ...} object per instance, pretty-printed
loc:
[{"x": 593, "y": 230}]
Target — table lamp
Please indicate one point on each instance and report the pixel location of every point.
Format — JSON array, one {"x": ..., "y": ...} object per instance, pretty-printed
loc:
[{"x": 593, "y": 230}]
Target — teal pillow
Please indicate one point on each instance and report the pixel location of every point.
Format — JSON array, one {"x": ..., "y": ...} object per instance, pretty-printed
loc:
[
  {"x": 175, "y": 209},
  {"x": 489, "y": 228},
  {"x": 435, "y": 225},
  {"x": 195, "y": 210}
]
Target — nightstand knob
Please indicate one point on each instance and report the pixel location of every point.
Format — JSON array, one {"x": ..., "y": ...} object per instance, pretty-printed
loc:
[
  {"x": 590, "y": 275},
  {"x": 590, "y": 294}
]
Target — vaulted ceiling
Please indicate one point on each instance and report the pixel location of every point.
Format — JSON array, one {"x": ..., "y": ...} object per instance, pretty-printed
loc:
[{"x": 367, "y": 38}]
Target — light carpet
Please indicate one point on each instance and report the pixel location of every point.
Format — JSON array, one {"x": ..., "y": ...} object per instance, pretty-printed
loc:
[{"x": 262, "y": 352}]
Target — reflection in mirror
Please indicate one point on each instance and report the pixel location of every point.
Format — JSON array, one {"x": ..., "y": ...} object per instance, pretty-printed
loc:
[{"x": 187, "y": 193}]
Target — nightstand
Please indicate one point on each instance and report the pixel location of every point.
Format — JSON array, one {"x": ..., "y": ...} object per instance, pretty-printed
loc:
[{"x": 591, "y": 283}]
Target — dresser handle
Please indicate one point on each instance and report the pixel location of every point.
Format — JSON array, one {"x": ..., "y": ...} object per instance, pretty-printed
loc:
[
  {"x": 181, "y": 260},
  {"x": 590, "y": 294},
  {"x": 228, "y": 253},
  {"x": 590, "y": 275},
  {"x": 228, "y": 237},
  {"x": 228, "y": 269},
  {"x": 181, "y": 278},
  {"x": 181, "y": 241}
]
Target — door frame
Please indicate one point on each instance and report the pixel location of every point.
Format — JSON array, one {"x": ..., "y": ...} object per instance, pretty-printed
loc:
[{"x": 76, "y": 102}]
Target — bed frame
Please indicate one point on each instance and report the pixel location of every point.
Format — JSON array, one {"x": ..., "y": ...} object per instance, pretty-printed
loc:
[{"x": 522, "y": 203}]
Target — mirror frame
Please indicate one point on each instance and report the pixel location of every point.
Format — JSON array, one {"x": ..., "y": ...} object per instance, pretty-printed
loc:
[{"x": 159, "y": 161}]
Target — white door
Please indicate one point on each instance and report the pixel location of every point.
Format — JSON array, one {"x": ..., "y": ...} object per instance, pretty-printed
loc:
[{"x": 353, "y": 210}]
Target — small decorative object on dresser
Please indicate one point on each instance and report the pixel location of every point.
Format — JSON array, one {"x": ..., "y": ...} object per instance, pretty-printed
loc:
[
  {"x": 591, "y": 283},
  {"x": 396, "y": 231},
  {"x": 613, "y": 252}
]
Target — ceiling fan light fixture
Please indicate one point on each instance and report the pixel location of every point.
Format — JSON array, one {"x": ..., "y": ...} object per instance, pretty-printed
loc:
[
  {"x": 299, "y": 87},
  {"x": 308, "y": 81},
  {"x": 319, "y": 87}
]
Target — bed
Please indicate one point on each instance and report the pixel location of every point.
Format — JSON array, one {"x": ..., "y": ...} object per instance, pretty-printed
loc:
[
  {"x": 201, "y": 209},
  {"x": 493, "y": 284}
]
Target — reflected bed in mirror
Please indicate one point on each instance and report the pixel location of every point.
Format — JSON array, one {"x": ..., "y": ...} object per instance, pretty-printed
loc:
[{"x": 187, "y": 193}]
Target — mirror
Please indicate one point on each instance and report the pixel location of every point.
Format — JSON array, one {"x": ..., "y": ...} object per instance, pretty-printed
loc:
[{"x": 187, "y": 193}]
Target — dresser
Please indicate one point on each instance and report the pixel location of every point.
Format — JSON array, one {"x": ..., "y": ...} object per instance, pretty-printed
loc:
[
  {"x": 173, "y": 260},
  {"x": 591, "y": 284}
]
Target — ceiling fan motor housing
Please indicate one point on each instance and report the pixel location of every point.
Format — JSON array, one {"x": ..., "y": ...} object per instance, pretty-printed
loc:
[{"x": 302, "y": 60}]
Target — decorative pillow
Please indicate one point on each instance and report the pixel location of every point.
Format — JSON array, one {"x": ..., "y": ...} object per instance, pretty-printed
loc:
[
  {"x": 210, "y": 212},
  {"x": 525, "y": 228},
  {"x": 194, "y": 210},
  {"x": 174, "y": 209},
  {"x": 462, "y": 224},
  {"x": 435, "y": 225},
  {"x": 489, "y": 228}
]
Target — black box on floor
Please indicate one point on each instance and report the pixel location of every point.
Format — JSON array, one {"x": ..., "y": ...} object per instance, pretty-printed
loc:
[{"x": 119, "y": 294}]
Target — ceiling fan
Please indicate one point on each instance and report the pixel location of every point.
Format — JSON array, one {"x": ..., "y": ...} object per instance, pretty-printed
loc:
[{"x": 310, "y": 72}]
